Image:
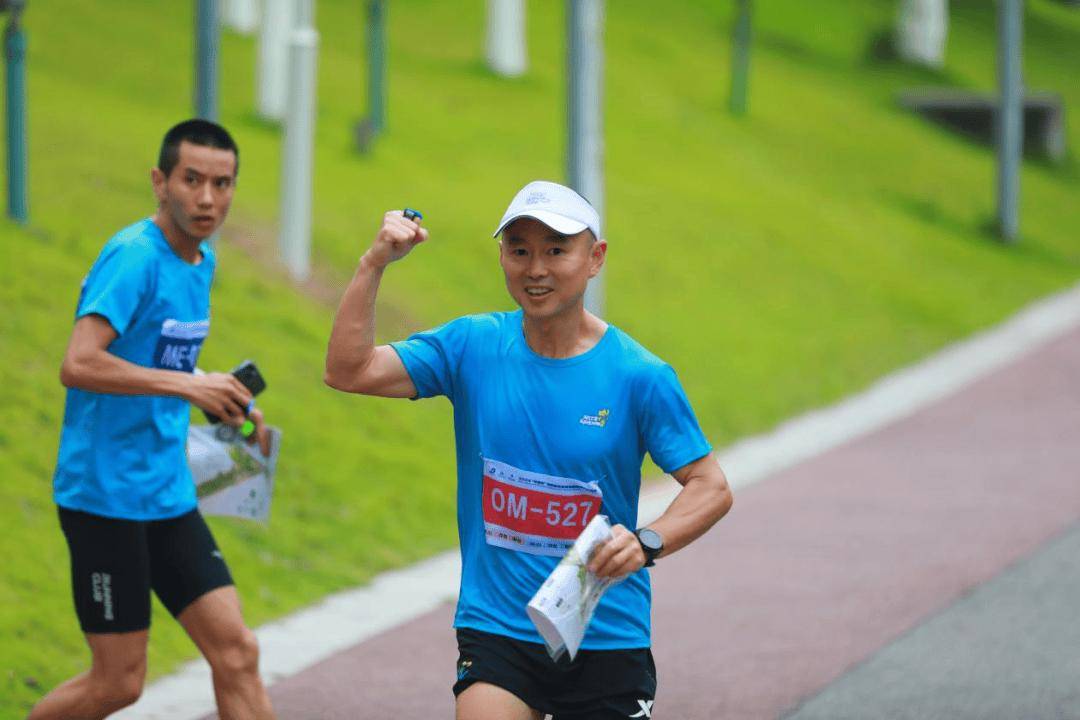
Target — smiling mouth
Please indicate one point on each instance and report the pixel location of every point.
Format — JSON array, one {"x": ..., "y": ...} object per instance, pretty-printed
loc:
[
  {"x": 204, "y": 219},
  {"x": 538, "y": 292}
]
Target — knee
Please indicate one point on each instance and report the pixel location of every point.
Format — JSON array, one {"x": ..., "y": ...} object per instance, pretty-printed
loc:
[
  {"x": 120, "y": 691},
  {"x": 239, "y": 655}
]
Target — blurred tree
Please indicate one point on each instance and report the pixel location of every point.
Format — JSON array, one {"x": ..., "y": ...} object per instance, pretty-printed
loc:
[{"x": 921, "y": 31}]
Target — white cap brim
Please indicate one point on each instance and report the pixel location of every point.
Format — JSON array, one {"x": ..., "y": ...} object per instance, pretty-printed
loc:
[{"x": 558, "y": 223}]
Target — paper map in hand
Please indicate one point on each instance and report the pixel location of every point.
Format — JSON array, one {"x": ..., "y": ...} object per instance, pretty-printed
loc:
[
  {"x": 565, "y": 603},
  {"x": 232, "y": 477}
]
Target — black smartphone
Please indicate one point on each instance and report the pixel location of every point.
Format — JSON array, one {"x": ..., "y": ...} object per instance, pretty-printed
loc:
[{"x": 250, "y": 377}]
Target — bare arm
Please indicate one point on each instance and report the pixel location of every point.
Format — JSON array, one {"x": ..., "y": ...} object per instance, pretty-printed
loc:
[
  {"x": 88, "y": 365},
  {"x": 704, "y": 499},
  {"x": 353, "y": 362}
]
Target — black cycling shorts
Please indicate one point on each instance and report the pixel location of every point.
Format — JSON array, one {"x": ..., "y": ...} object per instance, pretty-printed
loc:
[
  {"x": 115, "y": 563},
  {"x": 595, "y": 685}
]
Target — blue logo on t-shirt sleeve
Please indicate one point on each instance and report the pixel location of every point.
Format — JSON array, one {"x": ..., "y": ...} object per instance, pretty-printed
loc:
[{"x": 179, "y": 344}]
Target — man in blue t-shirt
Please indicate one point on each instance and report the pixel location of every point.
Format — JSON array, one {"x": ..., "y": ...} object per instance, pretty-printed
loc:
[
  {"x": 554, "y": 410},
  {"x": 122, "y": 486}
]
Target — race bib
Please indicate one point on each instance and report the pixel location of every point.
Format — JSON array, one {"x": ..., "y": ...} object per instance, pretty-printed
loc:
[
  {"x": 535, "y": 513},
  {"x": 179, "y": 344}
]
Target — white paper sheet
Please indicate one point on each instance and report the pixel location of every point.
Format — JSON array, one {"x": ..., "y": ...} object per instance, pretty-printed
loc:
[
  {"x": 565, "y": 603},
  {"x": 232, "y": 477}
]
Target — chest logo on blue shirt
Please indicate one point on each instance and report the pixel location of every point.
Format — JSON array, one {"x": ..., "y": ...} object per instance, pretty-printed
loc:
[
  {"x": 597, "y": 420},
  {"x": 179, "y": 344}
]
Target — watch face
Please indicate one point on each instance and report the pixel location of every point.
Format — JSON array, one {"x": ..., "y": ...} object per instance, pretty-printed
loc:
[{"x": 650, "y": 539}]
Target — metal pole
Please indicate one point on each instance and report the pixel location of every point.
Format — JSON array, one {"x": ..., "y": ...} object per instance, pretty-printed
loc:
[
  {"x": 272, "y": 71},
  {"x": 369, "y": 127},
  {"x": 207, "y": 43},
  {"x": 240, "y": 15},
  {"x": 299, "y": 142},
  {"x": 15, "y": 54},
  {"x": 376, "y": 50},
  {"x": 1010, "y": 117},
  {"x": 740, "y": 58},
  {"x": 585, "y": 146},
  {"x": 506, "y": 37}
]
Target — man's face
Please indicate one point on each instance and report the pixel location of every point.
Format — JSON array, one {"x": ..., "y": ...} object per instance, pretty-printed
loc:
[
  {"x": 546, "y": 273},
  {"x": 198, "y": 191}
]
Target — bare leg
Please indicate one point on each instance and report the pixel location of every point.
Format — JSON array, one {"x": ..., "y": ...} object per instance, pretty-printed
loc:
[
  {"x": 217, "y": 627},
  {"x": 484, "y": 701},
  {"x": 114, "y": 681}
]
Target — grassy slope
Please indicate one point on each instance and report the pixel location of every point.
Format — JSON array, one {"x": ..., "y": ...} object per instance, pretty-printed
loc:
[{"x": 778, "y": 261}]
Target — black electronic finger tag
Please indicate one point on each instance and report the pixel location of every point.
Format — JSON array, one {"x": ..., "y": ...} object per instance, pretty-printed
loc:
[
  {"x": 411, "y": 214},
  {"x": 250, "y": 377}
]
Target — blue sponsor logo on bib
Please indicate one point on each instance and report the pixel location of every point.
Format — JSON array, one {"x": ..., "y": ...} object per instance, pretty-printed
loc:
[{"x": 179, "y": 345}]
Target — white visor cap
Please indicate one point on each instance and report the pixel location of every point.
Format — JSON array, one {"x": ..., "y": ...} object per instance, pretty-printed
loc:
[{"x": 557, "y": 206}]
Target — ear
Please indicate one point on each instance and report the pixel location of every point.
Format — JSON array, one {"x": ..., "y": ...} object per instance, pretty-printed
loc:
[
  {"x": 597, "y": 255},
  {"x": 158, "y": 181}
]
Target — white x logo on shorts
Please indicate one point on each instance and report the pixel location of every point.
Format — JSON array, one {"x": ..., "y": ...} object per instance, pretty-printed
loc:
[{"x": 646, "y": 709}]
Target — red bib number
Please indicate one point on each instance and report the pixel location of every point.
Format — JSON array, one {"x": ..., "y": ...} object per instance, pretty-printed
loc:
[{"x": 535, "y": 513}]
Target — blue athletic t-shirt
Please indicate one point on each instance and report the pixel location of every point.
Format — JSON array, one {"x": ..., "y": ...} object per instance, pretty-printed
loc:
[
  {"x": 543, "y": 445},
  {"x": 123, "y": 456}
]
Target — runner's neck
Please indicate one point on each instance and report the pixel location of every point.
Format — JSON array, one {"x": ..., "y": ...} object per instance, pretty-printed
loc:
[
  {"x": 183, "y": 245},
  {"x": 563, "y": 337}
]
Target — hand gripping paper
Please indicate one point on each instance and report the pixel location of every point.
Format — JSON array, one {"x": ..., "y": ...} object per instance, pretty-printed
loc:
[{"x": 565, "y": 603}]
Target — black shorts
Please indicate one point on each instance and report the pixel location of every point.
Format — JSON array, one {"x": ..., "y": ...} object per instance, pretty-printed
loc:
[
  {"x": 597, "y": 684},
  {"x": 115, "y": 563}
]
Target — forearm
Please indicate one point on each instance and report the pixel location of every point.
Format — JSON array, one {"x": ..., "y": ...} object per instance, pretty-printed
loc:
[
  {"x": 703, "y": 500},
  {"x": 352, "y": 339},
  {"x": 102, "y": 372}
]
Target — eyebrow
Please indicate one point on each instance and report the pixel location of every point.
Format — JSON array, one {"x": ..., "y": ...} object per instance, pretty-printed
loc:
[
  {"x": 552, "y": 238},
  {"x": 193, "y": 171}
]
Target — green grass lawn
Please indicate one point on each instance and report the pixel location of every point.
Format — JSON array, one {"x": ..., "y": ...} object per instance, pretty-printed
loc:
[{"x": 778, "y": 261}]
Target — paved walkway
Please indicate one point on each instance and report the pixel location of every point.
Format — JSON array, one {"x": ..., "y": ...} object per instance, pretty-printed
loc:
[{"x": 928, "y": 568}]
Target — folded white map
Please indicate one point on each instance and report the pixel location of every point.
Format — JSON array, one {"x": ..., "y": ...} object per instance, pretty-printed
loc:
[
  {"x": 232, "y": 477},
  {"x": 565, "y": 603}
]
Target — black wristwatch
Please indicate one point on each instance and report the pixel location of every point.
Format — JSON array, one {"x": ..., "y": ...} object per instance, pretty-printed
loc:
[{"x": 651, "y": 544}]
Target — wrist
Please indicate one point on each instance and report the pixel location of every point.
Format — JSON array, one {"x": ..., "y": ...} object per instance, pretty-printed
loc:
[
  {"x": 181, "y": 384},
  {"x": 369, "y": 263},
  {"x": 652, "y": 544}
]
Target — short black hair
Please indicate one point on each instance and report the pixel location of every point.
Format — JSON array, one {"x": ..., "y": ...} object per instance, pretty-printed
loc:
[{"x": 196, "y": 132}]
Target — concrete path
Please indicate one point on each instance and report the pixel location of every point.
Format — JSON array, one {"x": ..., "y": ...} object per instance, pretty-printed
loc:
[{"x": 1011, "y": 649}]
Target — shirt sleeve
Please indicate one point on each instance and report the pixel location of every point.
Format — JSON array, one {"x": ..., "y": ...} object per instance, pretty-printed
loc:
[
  {"x": 670, "y": 430},
  {"x": 432, "y": 358},
  {"x": 117, "y": 284}
]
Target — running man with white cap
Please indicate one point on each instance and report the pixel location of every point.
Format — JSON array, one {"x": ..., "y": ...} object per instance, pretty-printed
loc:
[{"x": 554, "y": 410}]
